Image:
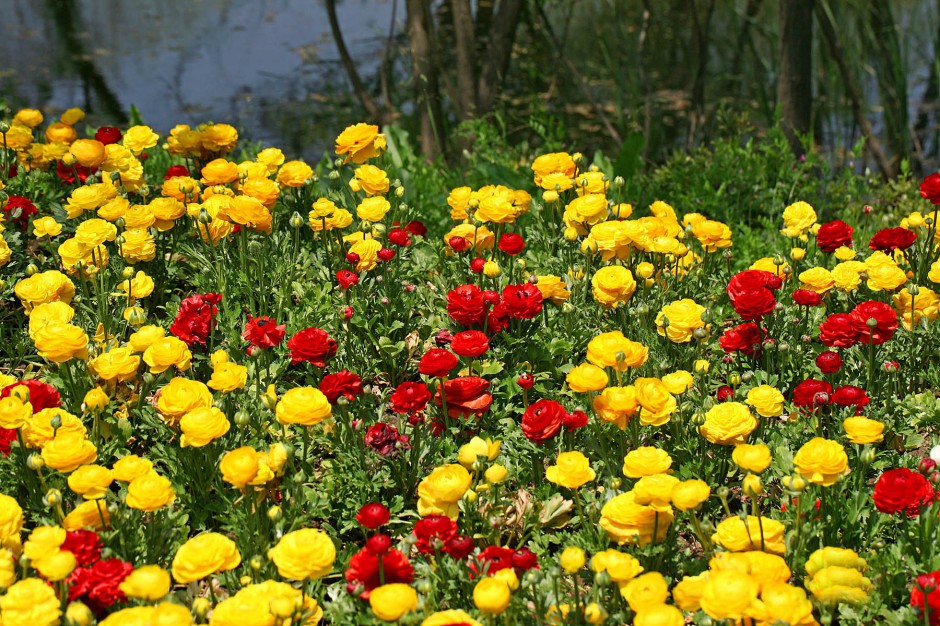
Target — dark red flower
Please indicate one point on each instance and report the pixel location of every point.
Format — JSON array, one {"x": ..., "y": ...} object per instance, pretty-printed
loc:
[
  {"x": 885, "y": 322},
  {"x": 363, "y": 571},
  {"x": 341, "y": 384},
  {"x": 373, "y": 515},
  {"x": 68, "y": 173},
  {"x": 196, "y": 318},
  {"x": 416, "y": 228},
  {"x": 574, "y": 420},
  {"x": 385, "y": 440},
  {"x": 20, "y": 205},
  {"x": 470, "y": 344},
  {"x": 379, "y": 544},
  {"x": 891, "y": 239},
  {"x": 263, "y": 332},
  {"x": 347, "y": 278},
  {"x": 755, "y": 304},
  {"x": 810, "y": 392},
  {"x": 724, "y": 393},
  {"x": 476, "y": 265},
  {"x": 743, "y": 338},
  {"x": 84, "y": 544},
  {"x": 834, "y": 235},
  {"x": 410, "y": 397},
  {"x": 399, "y": 237},
  {"x": 108, "y": 135},
  {"x": 312, "y": 345},
  {"x": 492, "y": 559},
  {"x": 100, "y": 583},
  {"x": 850, "y": 395},
  {"x": 437, "y": 363},
  {"x": 386, "y": 254},
  {"x": 525, "y": 380},
  {"x": 925, "y": 594},
  {"x": 829, "y": 362},
  {"x": 542, "y": 420},
  {"x": 459, "y": 547},
  {"x": 751, "y": 280},
  {"x": 176, "y": 170},
  {"x": 902, "y": 490},
  {"x": 7, "y": 437},
  {"x": 524, "y": 559},
  {"x": 352, "y": 257},
  {"x": 466, "y": 305},
  {"x": 805, "y": 297},
  {"x": 433, "y": 532},
  {"x": 511, "y": 243},
  {"x": 837, "y": 331},
  {"x": 41, "y": 395},
  {"x": 522, "y": 302},
  {"x": 466, "y": 396},
  {"x": 459, "y": 244}
]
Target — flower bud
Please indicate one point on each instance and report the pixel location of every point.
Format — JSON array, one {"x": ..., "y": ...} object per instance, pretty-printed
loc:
[
  {"x": 34, "y": 462},
  {"x": 752, "y": 485},
  {"x": 53, "y": 497},
  {"x": 201, "y": 608},
  {"x": 242, "y": 418},
  {"x": 296, "y": 221},
  {"x": 31, "y": 269}
]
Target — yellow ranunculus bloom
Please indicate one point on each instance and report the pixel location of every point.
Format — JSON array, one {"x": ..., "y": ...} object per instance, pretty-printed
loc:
[
  {"x": 306, "y": 406},
  {"x": 821, "y": 461},
  {"x": 150, "y": 492},
  {"x": 491, "y": 595},
  {"x": 30, "y": 601},
  {"x": 767, "y": 401},
  {"x": 304, "y": 554},
  {"x": 689, "y": 494},
  {"x": 442, "y": 489},
  {"x": 861, "y": 430},
  {"x": 571, "y": 470},
  {"x": 739, "y": 535},
  {"x": 728, "y": 423},
  {"x": 91, "y": 481},
  {"x": 204, "y": 555},
  {"x": 752, "y": 458}
]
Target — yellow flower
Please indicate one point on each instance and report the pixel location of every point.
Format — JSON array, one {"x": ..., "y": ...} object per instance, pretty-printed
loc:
[
  {"x": 755, "y": 533},
  {"x": 168, "y": 352},
  {"x": 30, "y": 601},
  {"x": 60, "y": 342},
  {"x": 553, "y": 289},
  {"x": 117, "y": 364},
  {"x": 614, "y": 350},
  {"x": 370, "y": 179},
  {"x": 728, "y": 423},
  {"x": 391, "y": 602},
  {"x": 139, "y": 246},
  {"x": 656, "y": 402},
  {"x": 861, "y": 430},
  {"x": 883, "y": 273},
  {"x": 619, "y": 565},
  {"x": 781, "y": 602},
  {"x": 11, "y": 521},
  {"x": 67, "y": 451},
  {"x": 442, "y": 489},
  {"x": 913, "y": 309},
  {"x": 72, "y": 116},
  {"x": 821, "y": 461},
  {"x": 56, "y": 566},
  {"x": 645, "y": 591},
  {"x": 835, "y": 584},
  {"x": 202, "y": 426},
  {"x": 798, "y": 218},
  {"x": 217, "y": 138},
  {"x": 767, "y": 401},
  {"x": 690, "y": 494},
  {"x": 14, "y": 413},
  {"x": 180, "y": 396},
  {"x": 204, "y": 555},
  {"x": 752, "y": 458},
  {"x": 46, "y": 227},
  {"x": 239, "y": 467},
  {"x": 475, "y": 448},
  {"x": 571, "y": 470},
  {"x": 91, "y": 481},
  {"x": 613, "y": 285},
  {"x": 678, "y": 382},
  {"x": 228, "y": 377},
  {"x": 684, "y": 317},
  {"x": 127, "y": 468},
  {"x": 687, "y": 594},
  {"x": 144, "y": 337},
  {"x": 495, "y": 474},
  {"x": 449, "y": 618},
  {"x": 60, "y": 133},
  {"x": 626, "y": 521},
  {"x": 817, "y": 279},
  {"x": 616, "y": 405},
  {"x": 368, "y": 252},
  {"x": 304, "y": 554},
  {"x": 646, "y": 461},
  {"x": 43, "y": 541},
  {"x": 587, "y": 377},
  {"x": 728, "y": 595},
  {"x": 655, "y": 491},
  {"x": 86, "y": 515},
  {"x": 491, "y": 595},
  {"x": 360, "y": 143},
  {"x": 659, "y": 615},
  {"x": 219, "y": 172},
  {"x": 149, "y": 492},
  {"x": 306, "y": 406},
  {"x": 30, "y": 118},
  {"x": 712, "y": 235},
  {"x": 572, "y": 559}
]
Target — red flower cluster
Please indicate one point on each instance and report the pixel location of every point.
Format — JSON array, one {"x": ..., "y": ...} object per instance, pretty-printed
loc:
[
  {"x": 196, "y": 317},
  {"x": 68, "y": 173},
  {"x": 925, "y": 594},
  {"x": 434, "y": 532},
  {"x": 362, "y": 575},
  {"x": 842, "y": 330},
  {"x": 495, "y": 558},
  {"x": 26, "y": 209},
  {"x": 98, "y": 584},
  {"x": 743, "y": 338},
  {"x": 833, "y": 235},
  {"x": 312, "y": 345},
  {"x": 891, "y": 239},
  {"x": 263, "y": 332},
  {"x": 752, "y": 293},
  {"x": 902, "y": 490}
]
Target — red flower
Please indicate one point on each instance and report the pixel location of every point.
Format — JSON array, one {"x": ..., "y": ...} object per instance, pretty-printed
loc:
[
  {"x": 811, "y": 393},
  {"x": 834, "y": 235},
  {"x": 902, "y": 490},
  {"x": 525, "y": 380},
  {"x": 466, "y": 396},
  {"x": 347, "y": 278},
  {"x": 108, "y": 135},
  {"x": 98, "y": 585},
  {"x": 379, "y": 544},
  {"x": 176, "y": 170},
  {"x": 385, "y": 440},
  {"x": 373, "y": 515},
  {"x": 410, "y": 397},
  {"x": 751, "y": 280},
  {"x": 26, "y": 208},
  {"x": 84, "y": 544},
  {"x": 574, "y": 420},
  {"x": 363, "y": 571},
  {"x": 925, "y": 595},
  {"x": 805, "y": 297},
  {"x": 399, "y": 237},
  {"x": 930, "y": 188},
  {"x": 542, "y": 420},
  {"x": 886, "y": 322},
  {"x": 492, "y": 559},
  {"x": 465, "y": 305},
  {"x": 891, "y": 239},
  {"x": 829, "y": 362},
  {"x": 754, "y": 305},
  {"x": 523, "y": 302},
  {"x": 743, "y": 338},
  {"x": 511, "y": 243},
  {"x": 433, "y": 532},
  {"x": 416, "y": 228},
  {"x": 437, "y": 363},
  {"x": 724, "y": 393},
  {"x": 850, "y": 395},
  {"x": 343, "y": 383},
  {"x": 196, "y": 317},
  {"x": 459, "y": 547},
  {"x": 67, "y": 173},
  {"x": 41, "y": 395},
  {"x": 7, "y": 437},
  {"x": 837, "y": 331},
  {"x": 525, "y": 559},
  {"x": 476, "y": 265},
  {"x": 312, "y": 345},
  {"x": 470, "y": 344},
  {"x": 386, "y": 254},
  {"x": 263, "y": 332},
  {"x": 459, "y": 244}
]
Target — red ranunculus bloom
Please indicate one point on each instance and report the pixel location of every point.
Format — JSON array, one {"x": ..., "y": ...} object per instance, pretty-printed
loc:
[
  {"x": 525, "y": 559},
  {"x": 346, "y": 278},
  {"x": 891, "y": 239},
  {"x": 751, "y": 280},
  {"x": 68, "y": 173},
  {"x": 84, "y": 544},
  {"x": 437, "y": 363},
  {"x": 902, "y": 490},
  {"x": 886, "y": 322},
  {"x": 466, "y": 396},
  {"x": 363, "y": 571},
  {"x": 416, "y": 228},
  {"x": 410, "y": 397},
  {"x": 511, "y": 243},
  {"x": 542, "y": 420},
  {"x": 491, "y": 560},
  {"x": 805, "y": 297},
  {"x": 7, "y": 437},
  {"x": 829, "y": 362},
  {"x": 850, "y": 395},
  {"x": 26, "y": 209},
  {"x": 834, "y": 235},
  {"x": 477, "y": 264},
  {"x": 385, "y": 440},
  {"x": 176, "y": 170},
  {"x": 379, "y": 544},
  {"x": 525, "y": 380},
  {"x": 459, "y": 547},
  {"x": 459, "y": 244},
  {"x": 341, "y": 384},
  {"x": 99, "y": 585},
  {"x": 41, "y": 395},
  {"x": 108, "y": 135},
  {"x": 466, "y": 305},
  {"x": 196, "y": 318},
  {"x": 925, "y": 595},
  {"x": 523, "y": 302},
  {"x": 399, "y": 237},
  {"x": 754, "y": 305},
  {"x": 837, "y": 331},
  {"x": 743, "y": 338},
  {"x": 930, "y": 188},
  {"x": 373, "y": 515},
  {"x": 574, "y": 420},
  {"x": 724, "y": 393},
  {"x": 263, "y": 332},
  {"x": 312, "y": 345},
  {"x": 470, "y": 344},
  {"x": 809, "y": 393},
  {"x": 386, "y": 254},
  {"x": 433, "y": 532}
]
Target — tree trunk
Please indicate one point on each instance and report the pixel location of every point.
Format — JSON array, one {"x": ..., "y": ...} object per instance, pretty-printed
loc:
[
  {"x": 424, "y": 74},
  {"x": 795, "y": 80},
  {"x": 892, "y": 80},
  {"x": 465, "y": 51},
  {"x": 498, "y": 54},
  {"x": 372, "y": 110}
]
